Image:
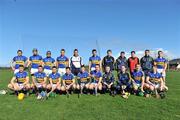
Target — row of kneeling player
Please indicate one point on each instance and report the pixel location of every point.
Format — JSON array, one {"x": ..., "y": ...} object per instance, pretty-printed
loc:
[{"x": 94, "y": 82}]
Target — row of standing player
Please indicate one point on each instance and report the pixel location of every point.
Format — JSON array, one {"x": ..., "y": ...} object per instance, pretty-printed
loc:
[{"x": 75, "y": 62}]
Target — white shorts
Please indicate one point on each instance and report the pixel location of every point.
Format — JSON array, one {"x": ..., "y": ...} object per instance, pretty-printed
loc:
[
  {"x": 16, "y": 71},
  {"x": 61, "y": 71},
  {"x": 92, "y": 68},
  {"x": 157, "y": 85},
  {"x": 54, "y": 85},
  {"x": 95, "y": 84},
  {"x": 38, "y": 85},
  {"x": 161, "y": 72},
  {"x": 34, "y": 70},
  {"x": 136, "y": 85},
  {"x": 21, "y": 86},
  {"x": 83, "y": 84},
  {"x": 47, "y": 72}
]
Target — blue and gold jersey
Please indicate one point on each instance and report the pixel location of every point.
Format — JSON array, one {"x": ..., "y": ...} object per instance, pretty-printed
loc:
[
  {"x": 62, "y": 60},
  {"x": 21, "y": 77},
  {"x": 97, "y": 75},
  {"x": 95, "y": 60},
  {"x": 36, "y": 61},
  {"x": 83, "y": 77},
  {"x": 68, "y": 78},
  {"x": 160, "y": 62},
  {"x": 55, "y": 77},
  {"x": 39, "y": 76},
  {"x": 137, "y": 76},
  {"x": 48, "y": 62},
  {"x": 154, "y": 77},
  {"x": 19, "y": 60}
]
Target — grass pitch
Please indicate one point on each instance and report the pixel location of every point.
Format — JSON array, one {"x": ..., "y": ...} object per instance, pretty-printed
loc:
[{"x": 103, "y": 107}]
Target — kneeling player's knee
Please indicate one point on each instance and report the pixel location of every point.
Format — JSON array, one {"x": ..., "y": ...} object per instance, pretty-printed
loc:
[
  {"x": 10, "y": 86},
  {"x": 63, "y": 88},
  {"x": 44, "y": 86},
  {"x": 151, "y": 88},
  {"x": 135, "y": 88},
  {"x": 91, "y": 87},
  {"x": 100, "y": 87},
  {"x": 146, "y": 86},
  {"x": 58, "y": 87},
  {"x": 74, "y": 86},
  {"x": 48, "y": 87},
  {"x": 77, "y": 86},
  {"x": 87, "y": 86}
]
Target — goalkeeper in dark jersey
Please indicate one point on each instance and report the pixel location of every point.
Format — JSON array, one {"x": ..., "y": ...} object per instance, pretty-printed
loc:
[
  {"x": 108, "y": 60},
  {"x": 121, "y": 61},
  {"x": 147, "y": 63},
  {"x": 108, "y": 81},
  {"x": 124, "y": 84}
]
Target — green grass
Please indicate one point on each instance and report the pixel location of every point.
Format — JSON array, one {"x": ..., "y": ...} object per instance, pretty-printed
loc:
[{"x": 87, "y": 107}]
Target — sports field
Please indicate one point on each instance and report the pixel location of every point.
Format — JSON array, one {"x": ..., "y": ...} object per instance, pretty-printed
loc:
[{"x": 103, "y": 107}]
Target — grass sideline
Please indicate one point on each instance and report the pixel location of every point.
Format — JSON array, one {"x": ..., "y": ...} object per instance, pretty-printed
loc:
[{"x": 87, "y": 107}]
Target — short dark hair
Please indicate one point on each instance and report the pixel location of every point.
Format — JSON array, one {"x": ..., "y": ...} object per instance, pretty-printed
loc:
[
  {"x": 107, "y": 66},
  {"x": 40, "y": 66},
  {"x": 159, "y": 51},
  {"x": 35, "y": 49},
  {"x": 48, "y": 52},
  {"x": 68, "y": 68},
  {"x": 147, "y": 50},
  {"x": 82, "y": 66},
  {"x": 122, "y": 52},
  {"x": 19, "y": 51},
  {"x": 54, "y": 67},
  {"x": 94, "y": 50},
  {"x": 21, "y": 66},
  {"x": 63, "y": 50},
  {"x": 75, "y": 50},
  {"x": 109, "y": 50},
  {"x": 133, "y": 52}
]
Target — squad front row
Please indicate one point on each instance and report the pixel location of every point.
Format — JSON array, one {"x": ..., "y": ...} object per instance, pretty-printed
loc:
[{"x": 93, "y": 83}]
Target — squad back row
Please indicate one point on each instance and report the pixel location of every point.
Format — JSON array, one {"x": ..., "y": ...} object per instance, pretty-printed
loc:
[{"x": 134, "y": 76}]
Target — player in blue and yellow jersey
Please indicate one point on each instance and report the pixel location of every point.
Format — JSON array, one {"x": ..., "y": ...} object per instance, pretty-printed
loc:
[
  {"x": 154, "y": 81},
  {"x": 48, "y": 62},
  {"x": 17, "y": 61},
  {"x": 108, "y": 81},
  {"x": 20, "y": 81},
  {"x": 68, "y": 81},
  {"x": 96, "y": 77},
  {"x": 83, "y": 80},
  {"x": 39, "y": 80},
  {"x": 35, "y": 61},
  {"x": 138, "y": 79},
  {"x": 94, "y": 60},
  {"x": 62, "y": 62},
  {"x": 124, "y": 83},
  {"x": 55, "y": 81},
  {"x": 161, "y": 64}
]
